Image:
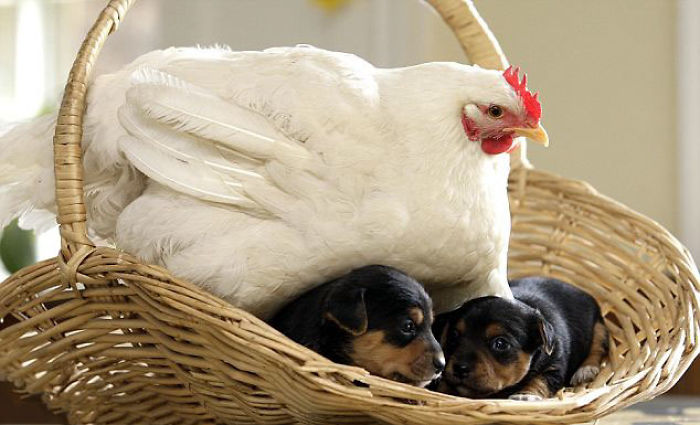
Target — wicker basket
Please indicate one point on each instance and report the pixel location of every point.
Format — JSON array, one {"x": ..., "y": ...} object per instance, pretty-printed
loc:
[{"x": 134, "y": 345}]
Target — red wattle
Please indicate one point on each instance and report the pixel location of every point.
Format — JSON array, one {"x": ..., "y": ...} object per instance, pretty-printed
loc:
[{"x": 493, "y": 146}]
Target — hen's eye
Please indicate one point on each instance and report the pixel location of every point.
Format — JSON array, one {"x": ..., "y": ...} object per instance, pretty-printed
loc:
[
  {"x": 495, "y": 111},
  {"x": 408, "y": 327},
  {"x": 500, "y": 345}
]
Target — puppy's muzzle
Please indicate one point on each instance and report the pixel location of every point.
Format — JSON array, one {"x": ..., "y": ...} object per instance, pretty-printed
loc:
[
  {"x": 462, "y": 376},
  {"x": 431, "y": 363}
]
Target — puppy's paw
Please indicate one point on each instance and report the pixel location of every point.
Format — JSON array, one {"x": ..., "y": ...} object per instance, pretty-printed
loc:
[
  {"x": 584, "y": 374},
  {"x": 525, "y": 397}
]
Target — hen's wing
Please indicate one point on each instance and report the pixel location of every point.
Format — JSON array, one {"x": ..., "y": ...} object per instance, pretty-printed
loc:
[{"x": 197, "y": 143}]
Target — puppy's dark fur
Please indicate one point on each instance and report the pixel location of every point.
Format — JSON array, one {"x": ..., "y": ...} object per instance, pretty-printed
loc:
[
  {"x": 374, "y": 317},
  {"x": 529, "y": 348}
]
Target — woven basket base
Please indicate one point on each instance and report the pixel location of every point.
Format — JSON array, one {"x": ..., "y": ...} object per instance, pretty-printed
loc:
[{"x": 133, "y": 344}]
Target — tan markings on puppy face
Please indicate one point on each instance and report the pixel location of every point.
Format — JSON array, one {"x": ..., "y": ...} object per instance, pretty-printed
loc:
[
  {"x": 485, "y": 376},
  {"x": 537, "y": 386},
  {"x": 489, "y": 376},
  {"x": 493, "y": 375},
  {"x": 416, "y": 314},
  {"x": 493, "y": 330},
  {"x": 514, "y": 372},
  {"x": 372, "y": 352},
  {"x": 461, "y": 326}
]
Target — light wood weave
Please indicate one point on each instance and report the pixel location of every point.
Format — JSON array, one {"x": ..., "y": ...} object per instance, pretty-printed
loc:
[{"x": 110, "y": 340}]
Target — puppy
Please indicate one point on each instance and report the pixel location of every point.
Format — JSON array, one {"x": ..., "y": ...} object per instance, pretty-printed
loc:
[
  {"x": 550, "y": 335},
  {"x": 375, "y": 317}
]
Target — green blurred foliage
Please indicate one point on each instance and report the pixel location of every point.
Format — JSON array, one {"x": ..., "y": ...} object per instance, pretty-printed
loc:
[{"x": 17, "y": 247}]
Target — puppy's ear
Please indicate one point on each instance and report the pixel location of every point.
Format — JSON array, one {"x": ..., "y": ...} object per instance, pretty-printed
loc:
[
  {"x": 440, "y": 328},
  {"x": 546, "y": 334},
  {"x": 346, "y": 308},
  {"x": 441, "y": 325}
]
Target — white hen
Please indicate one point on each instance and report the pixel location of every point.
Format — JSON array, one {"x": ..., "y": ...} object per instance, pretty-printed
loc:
[{"x": 260, "y": 174}]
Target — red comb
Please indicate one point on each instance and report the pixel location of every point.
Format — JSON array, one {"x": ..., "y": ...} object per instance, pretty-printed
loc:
[{"x": 532, "y": 105}]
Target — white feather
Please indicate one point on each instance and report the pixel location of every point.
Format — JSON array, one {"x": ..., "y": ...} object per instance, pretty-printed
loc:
[
  {"x": 181, "y": 162},
  {"x": 184, "y": 146},
  {"x": 189, "y": 140},
  {"x": 177, "y": 174},
  {"x": 189, "y": 109}
]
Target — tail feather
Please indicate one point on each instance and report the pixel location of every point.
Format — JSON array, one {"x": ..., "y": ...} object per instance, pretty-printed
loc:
[{"x": 26, "y": 173}]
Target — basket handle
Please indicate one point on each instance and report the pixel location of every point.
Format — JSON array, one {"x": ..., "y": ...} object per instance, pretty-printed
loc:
[
  {"x": 68, "y": 166},
  {"x": 476, "y": 39}
]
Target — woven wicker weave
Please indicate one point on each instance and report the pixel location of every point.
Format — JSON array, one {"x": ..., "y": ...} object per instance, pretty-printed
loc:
[{"x": 112, "y": 341}]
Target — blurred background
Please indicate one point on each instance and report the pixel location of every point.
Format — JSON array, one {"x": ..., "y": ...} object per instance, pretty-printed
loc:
[{"x": 619, "y": 81}]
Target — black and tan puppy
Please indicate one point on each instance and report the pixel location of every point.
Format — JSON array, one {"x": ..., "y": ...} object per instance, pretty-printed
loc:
[
  {"x": 374, "y": 317},
  {"x": 529, "y": 348}
]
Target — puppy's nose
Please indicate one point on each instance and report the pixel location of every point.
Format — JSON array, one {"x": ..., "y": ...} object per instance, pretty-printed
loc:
[
  {"x": 461, "y": 369},
  {"x": 439, "y": 362}
]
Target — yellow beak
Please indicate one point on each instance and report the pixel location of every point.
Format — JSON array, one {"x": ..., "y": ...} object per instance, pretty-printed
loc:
[{"x": 538, "y": 134}]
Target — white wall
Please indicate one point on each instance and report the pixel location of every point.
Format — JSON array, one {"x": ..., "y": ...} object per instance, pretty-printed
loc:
[{"x": 386, "y": 32}]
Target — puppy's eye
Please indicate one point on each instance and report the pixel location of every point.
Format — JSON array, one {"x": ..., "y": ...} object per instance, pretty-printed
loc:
[
  {"x": 408, "y": 327},
  {"x": 500, "y": 345},
  {"x": 454, "y": 333},
  {"x": 495, "y": 111}
]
